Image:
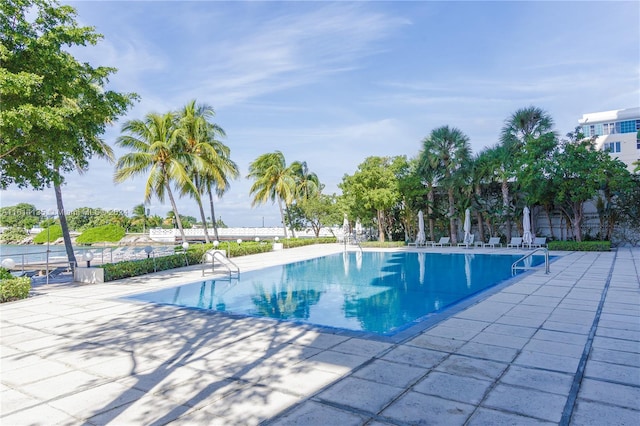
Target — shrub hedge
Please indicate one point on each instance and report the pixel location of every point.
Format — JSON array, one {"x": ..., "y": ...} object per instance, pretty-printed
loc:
[
  {"x": 580, "y": 246},
  {"x": 55, "y": 232},
  {"x": 14, "y": 289},
  {"x": 110, "y": 233},
  {"x": 134, "y": 268},
  {"x": 386, "y": 244}
]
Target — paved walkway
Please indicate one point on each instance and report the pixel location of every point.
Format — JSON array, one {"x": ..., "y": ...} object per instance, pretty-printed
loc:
[{"x": 561, "y": 348}]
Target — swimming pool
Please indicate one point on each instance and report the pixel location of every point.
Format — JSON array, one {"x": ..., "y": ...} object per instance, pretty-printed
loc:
[{"x": 378, "y": 292}]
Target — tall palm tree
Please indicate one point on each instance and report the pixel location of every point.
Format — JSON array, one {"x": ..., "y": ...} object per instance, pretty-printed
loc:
[
  {"x": 428, "y": 170},
  {"x": 156, "y": 152},
  {"x": 522, "y": 129},
  {"x": 140, "y": 216},
  {"x": 274, "y": 181},
  {"x": 194, "y": 131},
  {"x": 451, "y": 149},
  {"x": 212, "y": 168}
]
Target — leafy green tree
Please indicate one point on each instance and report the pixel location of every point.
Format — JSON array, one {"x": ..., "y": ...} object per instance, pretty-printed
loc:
[
  {"x": 449, "y": 149},
  {"x": 372, "y": 191},
  {"x": 320, "y": 211},
  {"x": 274, "y": 181},
  {"x": 54, "y": 108},
  {"x": 579, "y": 172},
  {"x": 22, "y": 215},
  {"x": 157, "y": 153}
]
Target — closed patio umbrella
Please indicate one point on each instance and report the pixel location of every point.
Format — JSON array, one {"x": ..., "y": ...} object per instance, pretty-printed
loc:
[
  {"x": 420, "y": 238},
  {"x": 467, "y": 226},
  {"x": 345, "y": 229},
  {"x": 527, "y": 239}
]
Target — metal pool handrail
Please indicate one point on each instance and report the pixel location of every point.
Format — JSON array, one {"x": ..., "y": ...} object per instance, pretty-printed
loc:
[
  {"x": 224, "y": 261},
  {"x": 546, "y": 260}
]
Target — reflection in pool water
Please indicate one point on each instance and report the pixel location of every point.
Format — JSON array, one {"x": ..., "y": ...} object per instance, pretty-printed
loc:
[{"x": 379, "y": 292}]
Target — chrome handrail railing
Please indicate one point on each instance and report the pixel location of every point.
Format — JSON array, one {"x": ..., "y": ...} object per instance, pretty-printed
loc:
[{"x": 546, "y": 260}]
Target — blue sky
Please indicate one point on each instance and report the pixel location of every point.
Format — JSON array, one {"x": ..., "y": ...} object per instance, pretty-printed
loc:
[{"x": 333, "y": 83}]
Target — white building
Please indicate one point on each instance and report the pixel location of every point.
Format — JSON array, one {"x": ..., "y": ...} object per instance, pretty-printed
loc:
[{"x": 616, "y": 132}]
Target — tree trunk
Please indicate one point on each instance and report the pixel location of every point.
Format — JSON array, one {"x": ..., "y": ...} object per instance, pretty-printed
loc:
[
  {"x": 213, "y": 213},
  {"x": 577, "y": 221},
  {"x": 548, "y": 212},
  {"x": 431, "y": 199},
  {"x": 380, "y": 215},
  {"x": 204, "y": 222},
  {"x": 284, "y": 225},
  {"x": 293, "y": 232},
  {"x": 505, "y": 207},
  {"x": 452, "y": 220},
  {"x": 175, "y": 212},
  {"x": 479, "y": 219},
  {"x": 65, "y": 228}
]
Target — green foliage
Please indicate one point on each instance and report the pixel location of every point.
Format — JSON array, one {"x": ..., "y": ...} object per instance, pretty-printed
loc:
[
  {"x": 53, "y": 107},
  {"x": 580, "y": 245},
  {"x": 14, "y": 288},
  {"x": 5, "y": 274},
  {"x": 13, "y": 235},
  {"x": 382, "y": 244},
  {"x": 109, "y": 233},
  {"x": 54, "y": 232},
  {"x": 300, "y": 242},
  {"x": 22, "y": 215}
]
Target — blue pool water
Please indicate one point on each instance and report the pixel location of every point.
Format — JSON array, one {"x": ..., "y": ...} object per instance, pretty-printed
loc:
[{"x": 379, "y": 292}]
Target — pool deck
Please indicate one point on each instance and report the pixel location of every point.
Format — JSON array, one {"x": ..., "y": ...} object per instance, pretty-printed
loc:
[{"x": 562, "y": 348}]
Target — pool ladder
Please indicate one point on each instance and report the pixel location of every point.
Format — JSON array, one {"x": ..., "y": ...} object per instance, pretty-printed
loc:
[
  {"x": 223, "y": 260},
  {"x": 515, "y": 266}
]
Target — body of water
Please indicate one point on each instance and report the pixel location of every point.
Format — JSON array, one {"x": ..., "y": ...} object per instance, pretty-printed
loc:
[{"x": 379, "y": 292}]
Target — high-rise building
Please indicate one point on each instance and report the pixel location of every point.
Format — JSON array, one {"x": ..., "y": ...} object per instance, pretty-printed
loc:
[{"x": 616, "y": 132}]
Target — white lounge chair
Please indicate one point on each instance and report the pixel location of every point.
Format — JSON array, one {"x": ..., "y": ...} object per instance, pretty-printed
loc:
[
  {"x": 516, "y": 242},
  {"x": 493, "y": 242},
  {"x": 468, "y": 241},
  {"x": 538, "y": 242},
  {"x": 444, "y": 241}
]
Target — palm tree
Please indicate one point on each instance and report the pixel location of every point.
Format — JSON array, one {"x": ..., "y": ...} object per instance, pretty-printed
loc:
[
  {"x": 427, "y": 169},
  {"x": 156, "y": 151},
  {"x": 274, "y": 181},
  {"x": 524, "y": 127},
  {"x": 450, "y": 148},
  {"x": 212, "y": 167},
  {"x": 307, "y": 184},
  {"x": 140, "y": 216}
]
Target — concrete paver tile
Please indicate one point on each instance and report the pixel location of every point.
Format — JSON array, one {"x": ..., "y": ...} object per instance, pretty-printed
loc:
[
  {"x": 412, "y": 355},
  {"x": 596, "y": 414},
  {"x": 561, "y": 337},
  {"x": 63, "y": 384},
  {"x": 528, "y": 402},
  {"x": 616, "y": 344},
  {"x": 566, "y": 328},
  {"x": 390, "y": 373},
  {"x": 363, "y": 347},
  {"x": 33, "y": 373},
  {"x": 40, "y": 414},
  {"x": 452, "y": 332},
  {"x": 12, "y": 400},
  {"x": 612, "y": 372},
  {"x": 472, "y": 367},
  {"x": 89, "y": 402},
  {"x": 616, "y": 357},
  {"x": 546, "y": 381},
  {"x": 148, "y": 409},
  {"x": 311, "y": 413},
  {"x": 305, "y": 381},
  {"x": 417, "y": 408},
  {"x": 361, "y": 394},
  {"x": 551, "y": 362},
  {"x": 456, "y": 388},
  {"x": 336, "y": 362},
  {"x": 443, "y": 344},
  {"x": 511, "y": 330},
  {"x": 247, "y": 407},
  {"x": 557, "y": 348},
  {"x": 495, "y": 353},
  {"x": 610, "y": 393},
  {"x": 488, "y": 417},
  {"x": 503, "y": 340}
]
